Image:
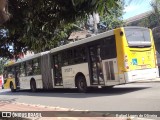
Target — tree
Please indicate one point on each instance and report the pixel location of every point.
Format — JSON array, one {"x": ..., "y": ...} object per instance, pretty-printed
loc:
[
  {"x": 152, "y": 21},
  {"x": 2, "y": 62},
  {"x": 34, "y": 25},
  {"x": 113, "y": 18},
  {"x": 155, "y": 5},
  {"x": 156, "y": 29}
]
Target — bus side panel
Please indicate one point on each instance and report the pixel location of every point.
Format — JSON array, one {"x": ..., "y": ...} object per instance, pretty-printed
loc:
[
  {"x": 120, "y": 43},
  {"x": 69, "y": 73},
  {"x": 25, "y": 82}
]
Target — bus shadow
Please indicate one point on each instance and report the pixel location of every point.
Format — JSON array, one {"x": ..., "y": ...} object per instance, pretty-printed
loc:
[{"x": 73, "y": 93}]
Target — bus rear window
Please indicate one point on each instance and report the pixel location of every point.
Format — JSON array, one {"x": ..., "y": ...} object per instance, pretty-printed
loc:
[{"x": 138, "y": 37}]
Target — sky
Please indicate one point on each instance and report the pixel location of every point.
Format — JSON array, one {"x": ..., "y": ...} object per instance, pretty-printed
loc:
[{"x": 136, "y": 7}]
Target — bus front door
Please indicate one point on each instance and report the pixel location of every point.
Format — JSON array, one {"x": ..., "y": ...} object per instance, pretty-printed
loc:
[
  {"x": 57, "y": 71},
  {"x": 17, "y": 77},
  {"x": 96, "y": 70}
]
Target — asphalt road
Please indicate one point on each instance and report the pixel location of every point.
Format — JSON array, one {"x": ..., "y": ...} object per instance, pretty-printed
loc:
[{"x": 129, "y": 97}]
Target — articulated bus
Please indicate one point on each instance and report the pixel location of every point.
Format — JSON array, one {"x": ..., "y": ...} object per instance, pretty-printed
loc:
[{"x": 115, "y": 57}]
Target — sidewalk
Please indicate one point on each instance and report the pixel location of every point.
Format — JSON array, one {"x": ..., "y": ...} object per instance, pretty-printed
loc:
[
  {"x": 39, "y": 112},
  {"x": 56, "y": 113}
]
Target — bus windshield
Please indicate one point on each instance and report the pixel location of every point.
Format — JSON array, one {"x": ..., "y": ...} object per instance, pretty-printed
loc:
[{"x": 138, "y": 37}]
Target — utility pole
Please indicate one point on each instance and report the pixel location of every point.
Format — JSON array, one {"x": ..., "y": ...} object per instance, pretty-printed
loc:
[
  {"x": 93, "y": 21},
  {"x": 96, "y": 21}
]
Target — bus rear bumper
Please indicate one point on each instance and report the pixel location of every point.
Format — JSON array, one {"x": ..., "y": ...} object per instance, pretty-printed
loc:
[{"x": 145, "y": 74}]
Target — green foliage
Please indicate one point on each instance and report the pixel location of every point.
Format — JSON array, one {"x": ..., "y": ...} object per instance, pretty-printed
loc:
[
  {"x": 2, "y": 62},
  {"x": 113, "y": 18},
  {"x": 38, "y": 25},
  {"x": 156, "y": 23},
  {"x": 156, "y": 5},
  {"x": 156, "y": 34}
]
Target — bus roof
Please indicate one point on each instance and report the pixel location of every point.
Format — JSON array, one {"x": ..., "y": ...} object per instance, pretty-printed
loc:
[
  {"x": 92, "y": 38},
  {"x": 33, "y": 56},
  {"x": 85, "y": 40},
  {"x": 28, "y": 58}
]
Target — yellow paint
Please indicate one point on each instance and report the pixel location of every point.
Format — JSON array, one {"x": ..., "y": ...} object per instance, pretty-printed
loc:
[
  {"x": 145, "y": 56},
  {"x": 7, "y": 83}
]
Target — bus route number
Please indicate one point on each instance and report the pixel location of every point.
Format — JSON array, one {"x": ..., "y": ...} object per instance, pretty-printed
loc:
[{"x": 68, "y": 70}]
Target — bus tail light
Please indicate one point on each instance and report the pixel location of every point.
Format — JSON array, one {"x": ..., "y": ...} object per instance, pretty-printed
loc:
[{"x": 126, "y": 62}]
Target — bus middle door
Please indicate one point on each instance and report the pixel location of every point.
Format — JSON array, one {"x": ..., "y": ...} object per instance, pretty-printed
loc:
[
  {"x": 96, "y": 70},
  {"x": 57, "y": 71}
]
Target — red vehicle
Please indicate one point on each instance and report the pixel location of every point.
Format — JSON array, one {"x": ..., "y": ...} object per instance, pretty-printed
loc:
[{"x": 1, "y": 77}]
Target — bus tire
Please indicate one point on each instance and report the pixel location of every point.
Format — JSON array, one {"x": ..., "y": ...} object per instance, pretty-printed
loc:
[
  {"x": 33, "y": 85},
  {"x": 12, "y": 87},
  {"x": 81, "y": 84}
]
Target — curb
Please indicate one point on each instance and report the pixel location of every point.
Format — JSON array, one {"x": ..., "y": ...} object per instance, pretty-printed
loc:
[{"x": 59, "y": 113}]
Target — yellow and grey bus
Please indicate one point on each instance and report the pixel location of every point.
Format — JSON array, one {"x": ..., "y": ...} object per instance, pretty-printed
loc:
[
  {"x": 25, "y": 73},
  {"x": 118, "y": 56}
]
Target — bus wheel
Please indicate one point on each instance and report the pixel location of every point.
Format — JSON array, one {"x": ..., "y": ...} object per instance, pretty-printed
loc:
[
  {"x": 81, "y": 84},
  {"x": 12, "y": 87},
  {"x": 33, "y": 86}
]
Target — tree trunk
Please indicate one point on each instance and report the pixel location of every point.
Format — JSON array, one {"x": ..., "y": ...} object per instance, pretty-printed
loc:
[{"x": 4, "y": 15}]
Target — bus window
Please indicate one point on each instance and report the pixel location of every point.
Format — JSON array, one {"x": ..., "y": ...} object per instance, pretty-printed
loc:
[
  {"x": 36, "y": 67},
  {"x": 138, "y": 37},
  {"x": 17, "y": 70},
  {"x": 11, "y": 72},
  {"x": 65, "y": 58},
  {"x": 22, "y": 69},
  {"x": 57, "y": 69},
  {"x": 5, "y": 73},
  {"x": 70, "y": 56},
  {"x": 17, "y": 75},
  {"x": 109, "y": 48},
  {"x": 96, "y": 65},
  {"x": 29, "y": 69},
  {"x": 79, "y": 55}
]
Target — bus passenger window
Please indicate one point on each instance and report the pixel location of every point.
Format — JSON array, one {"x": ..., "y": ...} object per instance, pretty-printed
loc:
[
  {"x": 65, "y": 58},
  {"x": 5, "y": 73},
  {"x": 11, "y": 72},
  {"x": 22, "y": 69},
  {"x": 109, "y": 48},
  {"x": 79, "y": 55},
  {"x": 36, "y": 67}
]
